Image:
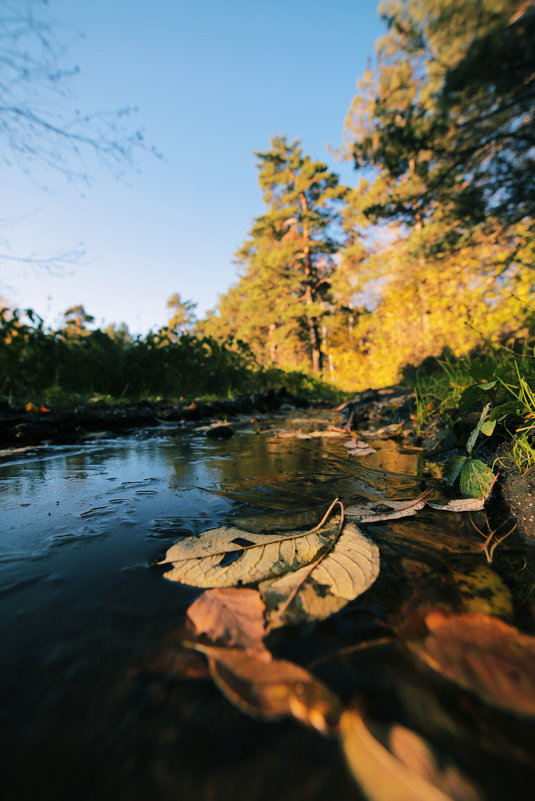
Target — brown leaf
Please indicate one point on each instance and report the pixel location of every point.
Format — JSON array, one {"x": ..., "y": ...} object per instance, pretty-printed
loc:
[
  {"x": 484, "y": 655},
  {"x": 409, "y": 771},
  {"x": 271, "y": 689},
  {"x": 377, "y": 511},
  {"x": 233, "y": 616},
  {"x": 459, "y": 504}
]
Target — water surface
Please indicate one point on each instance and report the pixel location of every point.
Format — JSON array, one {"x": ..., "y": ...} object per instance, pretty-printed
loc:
[{"x": 85, "y": 610}]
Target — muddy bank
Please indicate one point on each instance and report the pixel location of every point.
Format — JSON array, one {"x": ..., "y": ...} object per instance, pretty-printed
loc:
[{"x": 21, "y": 427}]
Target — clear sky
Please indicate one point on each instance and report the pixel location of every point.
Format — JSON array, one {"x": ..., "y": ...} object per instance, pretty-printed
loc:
[{"x": 213, "y": 80}]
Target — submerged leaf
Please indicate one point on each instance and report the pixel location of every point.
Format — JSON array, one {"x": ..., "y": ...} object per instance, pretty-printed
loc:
[
  {"x": 272, "y": 688},
  {"x": 375, "y": 511},
  {"x": 484, "y": 655},
  {"x": 319, "y": 589},
  {"x": 409, "y": 771},
  {"x": 225, "y": 557},
  {"x": 231, "y": 616},
  {"x": 483, "y": 590}
]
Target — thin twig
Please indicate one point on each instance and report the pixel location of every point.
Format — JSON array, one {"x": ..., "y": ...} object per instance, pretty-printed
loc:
[{"x": 350, "y": 649}]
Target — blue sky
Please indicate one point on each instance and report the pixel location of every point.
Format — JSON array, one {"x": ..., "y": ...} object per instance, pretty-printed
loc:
[{"x": 213, "y": 80}]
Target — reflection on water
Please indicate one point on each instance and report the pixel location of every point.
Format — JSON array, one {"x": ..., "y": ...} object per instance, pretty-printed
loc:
[{"x": 83, "y": 605}]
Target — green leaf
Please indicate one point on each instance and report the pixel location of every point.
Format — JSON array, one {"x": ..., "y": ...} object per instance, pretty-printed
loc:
[
  {"x": 515, "y": 408},
  {"x": 476, "y": 478},
  {"x": 453, "y": 467},
  {"x": 475, "y": 433},
  {"x": 488, "y": 427},
  {"x": 487, "y": 385}
]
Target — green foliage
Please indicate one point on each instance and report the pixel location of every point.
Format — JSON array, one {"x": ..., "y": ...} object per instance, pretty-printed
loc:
[
  {"x": 475, "y": 477},
  {"x": 282, "y": 299},
  {"x": 47, "y": 366}
]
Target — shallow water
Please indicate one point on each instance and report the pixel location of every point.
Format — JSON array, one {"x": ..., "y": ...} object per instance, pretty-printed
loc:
[{"x": 85, "y": 610}]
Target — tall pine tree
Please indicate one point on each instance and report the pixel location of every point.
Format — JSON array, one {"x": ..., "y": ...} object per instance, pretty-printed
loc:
[{"x": 283, "y": 295}]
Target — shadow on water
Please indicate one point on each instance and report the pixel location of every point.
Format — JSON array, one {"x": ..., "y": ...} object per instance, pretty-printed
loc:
[{"x": 85, "y": 610}]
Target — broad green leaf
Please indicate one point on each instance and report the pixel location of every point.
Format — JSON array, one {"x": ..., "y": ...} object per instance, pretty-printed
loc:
[
  {"x": 476, "y": 478},
  {"x": 475, "y": 433},
  {"x": 502, "y": 411},
  {"x": 226, "y": 557},
  {"x": 488, "y": 427},
  {"x": 319, "y": 589},
  {"x": 271, "y": 688},
  {"x": 376, "y": 511},
  {"x": 486, "y": 385},
  {"x": 453, "y": 467}
]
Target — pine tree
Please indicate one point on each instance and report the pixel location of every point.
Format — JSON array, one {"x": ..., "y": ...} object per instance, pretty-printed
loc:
[{"x": 283, "y": 295}]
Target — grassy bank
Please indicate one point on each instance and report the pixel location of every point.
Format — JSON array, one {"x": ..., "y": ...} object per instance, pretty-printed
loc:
[{"x": 492, "y": 389}]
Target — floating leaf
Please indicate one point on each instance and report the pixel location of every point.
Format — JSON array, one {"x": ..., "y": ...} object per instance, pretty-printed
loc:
[
  {"x": 409, "y": 771},
  {"x": 326, "y": 585},
  {"x": 476, "y": 478},
  {"x": 484, "y": 655},
  {"x": 226, "y": 557},
  {"x": 377, "y": 511},
  {"x": 234, "y": 617},
  {"x": 458, "y": 505},
  {"x": 474, "y": 504},
  {"x": 271, "y": 688}
]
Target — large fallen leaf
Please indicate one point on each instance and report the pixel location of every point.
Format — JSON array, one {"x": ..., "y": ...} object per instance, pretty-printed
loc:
[
  {"x": 226, "y": 557},
  {"x": 231, "y": 616},
  {"x": 377, "y": 511},
  {"x": 271, "y": 688},
  {"x": 406, "y": 771},
  {"x": 326, "y": 585},
  {"x": 484, "y": 655}
]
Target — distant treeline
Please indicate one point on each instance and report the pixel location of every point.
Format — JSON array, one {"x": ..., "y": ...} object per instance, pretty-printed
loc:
[{"x": 41, "y": 365}]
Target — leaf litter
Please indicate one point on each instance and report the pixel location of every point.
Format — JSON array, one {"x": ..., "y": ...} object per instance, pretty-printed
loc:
[{"x": 304, "y": 576}]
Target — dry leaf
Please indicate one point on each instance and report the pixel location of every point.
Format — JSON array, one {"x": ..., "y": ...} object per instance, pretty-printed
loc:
[
  {"x": 225, "y": 557},
  {"x": 319, "y": 589},
  {"x": 459, "y": 504},
  {"x": 271, "y": 689},
  {"x": 411, "y": 773},
  {"x": 231, "y": 616},
  {"x": 377, "y": 511},
  {"x": 484, "y": 655},
  {"x": 316, "y": 573}
]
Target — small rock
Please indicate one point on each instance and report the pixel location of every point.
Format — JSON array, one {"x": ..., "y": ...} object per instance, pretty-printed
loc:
[{"x": 219, "y": 432}]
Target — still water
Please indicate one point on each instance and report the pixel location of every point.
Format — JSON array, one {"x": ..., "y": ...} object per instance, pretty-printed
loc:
[{"x": 88, "y": 712}]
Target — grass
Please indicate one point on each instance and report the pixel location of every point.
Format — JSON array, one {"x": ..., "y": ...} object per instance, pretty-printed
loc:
[{"x": 453, "y": 391}]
